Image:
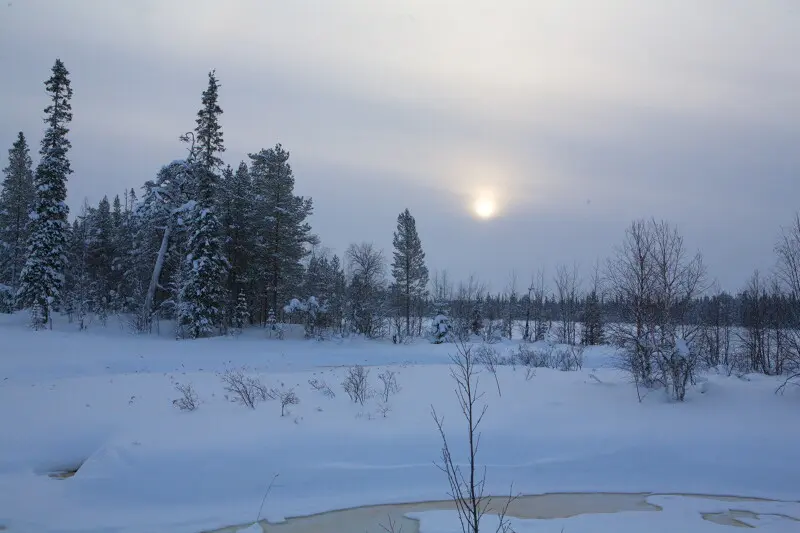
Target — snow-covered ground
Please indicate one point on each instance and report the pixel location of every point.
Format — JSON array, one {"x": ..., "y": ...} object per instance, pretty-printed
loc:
[{"x": 102, "y": 400}]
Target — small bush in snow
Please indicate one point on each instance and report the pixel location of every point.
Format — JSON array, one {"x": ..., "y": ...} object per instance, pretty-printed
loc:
[
  {"x": 321, "y": 386},
  {"x": 390, "y": 386},
  {"x": 188, "y": 400},
  {"x": 355, "y": 384},
  {"x": 287, "y": 397},
  {"x": 244, "y": 389},
  {"x": 534, "y": 357},
  {"x": 311, "y": 313}
]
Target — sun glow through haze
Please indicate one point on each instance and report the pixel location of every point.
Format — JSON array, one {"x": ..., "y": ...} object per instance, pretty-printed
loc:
[{"x": 485, "y": 207}]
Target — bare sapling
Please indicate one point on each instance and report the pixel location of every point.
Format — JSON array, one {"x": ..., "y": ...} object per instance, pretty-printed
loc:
[
  {"x": 467, "y": 487},
  {"x": 389, "y": 380},
  {"x": 264, "y": 499}
]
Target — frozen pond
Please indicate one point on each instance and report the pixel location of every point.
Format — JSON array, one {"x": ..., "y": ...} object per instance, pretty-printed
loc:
[{"x": 722, "y": 510}]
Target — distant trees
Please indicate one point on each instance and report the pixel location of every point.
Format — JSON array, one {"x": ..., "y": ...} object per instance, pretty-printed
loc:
[
  {"x": 325, "y": 280},
  {"x": 213, "y": 248},
  {"x": 567, "y": 285},
  {"x": 408, "y": 268},
  {"x": 593, "y": 332},
  {"x": 16, "y": 202},
  {"x": 717, "y": 315},
  {"x": 42, "y": 276}
]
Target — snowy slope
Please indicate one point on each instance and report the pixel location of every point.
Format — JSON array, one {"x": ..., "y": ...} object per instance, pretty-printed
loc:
[{"x": 102, "y": 399}]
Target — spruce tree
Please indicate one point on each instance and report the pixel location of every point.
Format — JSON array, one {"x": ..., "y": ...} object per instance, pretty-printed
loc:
[
  {"x": 593, "y": 326},
  {"x": 203, "y": 294},
  {"x": 42, "y": 277},
  {"x": 16, "y": 201},
  {"x": 408, "y": 268},
  {"x": 281, "y": 232},
  {"x": 101, "y": 256},
  {"x": 242, "y": 314},
  {"x": 121, "y": 240}
]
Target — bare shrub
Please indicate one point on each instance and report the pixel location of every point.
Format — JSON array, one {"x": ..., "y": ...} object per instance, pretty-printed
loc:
[
  {"x": 384, "y": 409},
  {"x": 245, "y": 390},
  {"x": 321, "y": 386},
  {"x": 568, "y": 359},
  {"x": 189, "y": 400},
  {"x": 355, "y": 384},
  {"x": 389, "y": 380},
  {"x": 533, "y": 356},
  {"x": 287, "y": 397},
  {"x": 678, "y": 364}
]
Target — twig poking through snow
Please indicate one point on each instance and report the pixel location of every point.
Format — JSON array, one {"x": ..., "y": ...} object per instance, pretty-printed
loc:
[
  {"x": 794, "y": 379},
  {"x": 264, "y": 499},
  {"x": 392, "y": 527}
]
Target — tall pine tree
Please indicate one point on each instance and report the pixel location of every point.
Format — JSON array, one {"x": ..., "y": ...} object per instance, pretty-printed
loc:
[
  {"x": 42, "y": 277},
  {"x": 282, "y": 234},
  {"x": 408, "y": 268},
  {"x": 203, "y": 294},
  {"x": 16, "y": 201}
]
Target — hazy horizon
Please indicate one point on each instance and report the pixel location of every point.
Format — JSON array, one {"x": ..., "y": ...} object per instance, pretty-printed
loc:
[{"x": 576, "y": 117}]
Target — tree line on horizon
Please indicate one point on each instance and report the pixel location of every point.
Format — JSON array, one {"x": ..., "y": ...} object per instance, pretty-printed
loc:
[{"x": 218, "y": 249}]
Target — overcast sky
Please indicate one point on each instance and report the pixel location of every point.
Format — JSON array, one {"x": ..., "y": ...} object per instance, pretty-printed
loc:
[{"x": 576, "y": 116}]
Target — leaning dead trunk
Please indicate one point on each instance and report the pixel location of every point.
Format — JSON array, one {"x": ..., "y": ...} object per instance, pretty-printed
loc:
[{"x": 147, "y": 308}]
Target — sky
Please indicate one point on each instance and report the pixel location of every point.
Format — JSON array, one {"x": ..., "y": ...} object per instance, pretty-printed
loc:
[{"x": 574, "y": 117}]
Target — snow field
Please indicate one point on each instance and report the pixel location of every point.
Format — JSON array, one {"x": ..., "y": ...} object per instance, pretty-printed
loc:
[{"x": 102, "y": 400}]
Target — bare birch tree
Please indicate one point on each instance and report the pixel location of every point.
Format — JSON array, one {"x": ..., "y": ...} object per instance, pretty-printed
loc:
[{"x": 567, "y": 282}]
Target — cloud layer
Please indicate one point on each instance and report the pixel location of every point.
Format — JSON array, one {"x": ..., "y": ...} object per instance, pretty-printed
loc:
[{"x": 578, "y": 115}]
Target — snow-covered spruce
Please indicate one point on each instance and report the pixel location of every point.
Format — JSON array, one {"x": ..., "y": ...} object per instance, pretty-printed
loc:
[{"x": 42, "y": 276}]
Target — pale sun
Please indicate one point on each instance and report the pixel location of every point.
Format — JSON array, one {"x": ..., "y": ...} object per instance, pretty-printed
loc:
[{"x": 485, "y": 208}]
